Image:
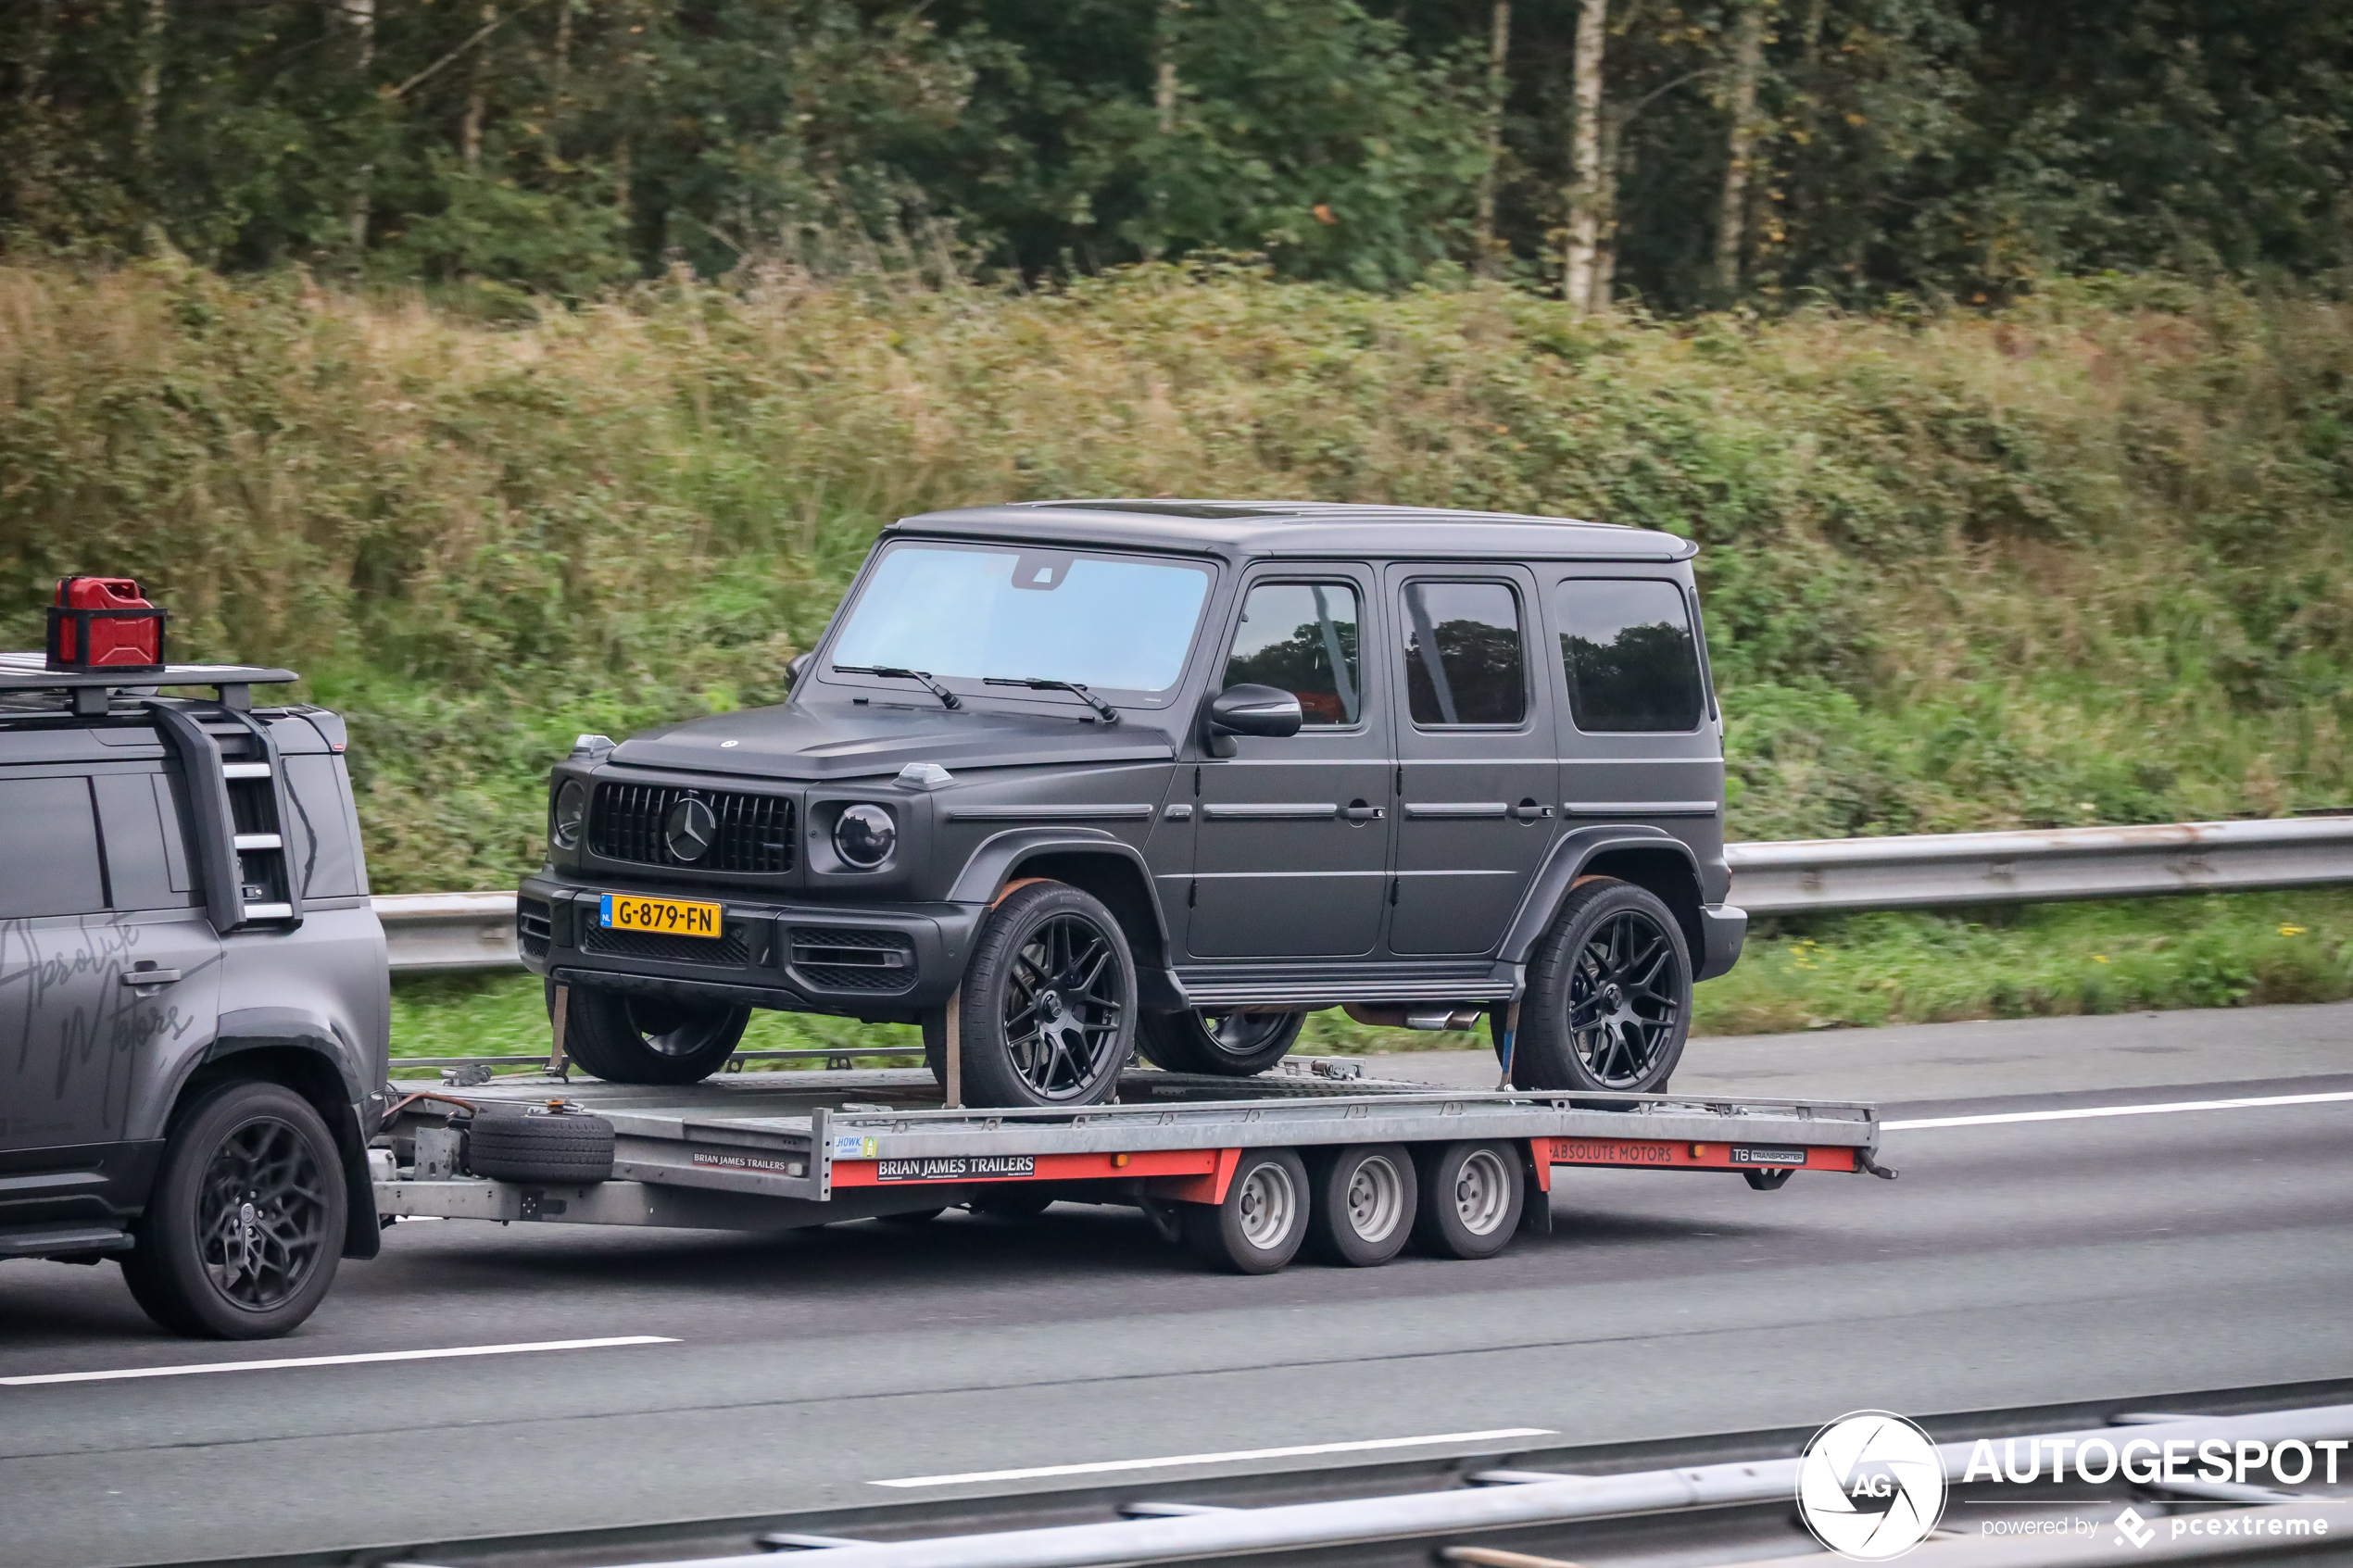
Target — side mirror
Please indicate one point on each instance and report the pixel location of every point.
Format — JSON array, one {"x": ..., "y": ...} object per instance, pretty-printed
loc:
[
  {"x": 796, "y": 668},
  {"x": 1249, "y": 709}
]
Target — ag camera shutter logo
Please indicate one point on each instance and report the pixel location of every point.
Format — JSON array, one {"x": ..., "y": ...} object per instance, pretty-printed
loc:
[{"x": 1870, "y": 1486}]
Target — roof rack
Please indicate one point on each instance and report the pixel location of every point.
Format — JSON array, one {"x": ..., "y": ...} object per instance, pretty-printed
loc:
[{"x": 91, "y": 689}]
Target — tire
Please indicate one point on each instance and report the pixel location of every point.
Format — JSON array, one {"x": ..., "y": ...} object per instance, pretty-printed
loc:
[
  {"x": 1767, "y": 1181},
  {"x": 1471, "y": 1197},
  {"x": 911, "y": 1217},
  {"x": 559, "y": 1150},
  {"x": 1048, "y": 1005},
  {"x": 1014, "y": 1201},
  {"x": 245, "y": 1222},
  {"x": 1364, "y": 1203},
  {"x": 1609, "y": 995},
  {"x": 1228, "y": 1045},
  {"x": 1260, "y": 1226},
  {"x": 626, "y": 1039}
]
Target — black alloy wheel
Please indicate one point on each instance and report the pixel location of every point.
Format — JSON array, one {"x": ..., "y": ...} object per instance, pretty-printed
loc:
[
  {"x": 1047, "y": 1011},
  {"x": 247, "y": 1221},
  {"x": 1233, "y": 1043},
  {"x": 1609, "y": 995},
  {"x": 634, "y": 1039}
]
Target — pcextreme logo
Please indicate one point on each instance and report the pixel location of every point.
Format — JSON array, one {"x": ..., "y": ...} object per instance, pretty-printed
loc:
[{"x": 1870, "y": 1486}]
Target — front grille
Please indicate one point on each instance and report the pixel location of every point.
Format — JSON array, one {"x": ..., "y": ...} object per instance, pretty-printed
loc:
[
  {"x": 853, "y": 960},
  {"x": 732, "y": 950},
  {"x": 630, "y": 821},
  {"x": 534, "y": 926}
]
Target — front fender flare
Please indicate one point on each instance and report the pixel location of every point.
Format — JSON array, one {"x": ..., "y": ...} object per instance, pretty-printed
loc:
[
  {"x": 1001, "y": 855},
  {"x": 1560, "y": 871}
]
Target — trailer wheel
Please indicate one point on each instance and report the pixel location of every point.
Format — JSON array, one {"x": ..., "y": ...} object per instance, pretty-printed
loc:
[
  {"x": 560, "y": 1151},
  {"x": 1020, "y": 1202},
  {"x": 245, "y": 1222},
  {"x": 1767, "y": 1181},
  {"x": 1609, "y": 993},
  {"x": 913, "y": 1216},
  {"x": 1471, "y": 1197},
  {"x": 1259, "y": 1227},
  {"x": 625, "y": 1040},
  {"x": 1364, "y": 1203},
  {"x": 1047, "y": 1007},
  {"x": 1228, "y": 1045}
]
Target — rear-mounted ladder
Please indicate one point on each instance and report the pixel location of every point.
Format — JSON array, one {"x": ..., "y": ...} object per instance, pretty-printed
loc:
[{"x": 241, "y": 810}]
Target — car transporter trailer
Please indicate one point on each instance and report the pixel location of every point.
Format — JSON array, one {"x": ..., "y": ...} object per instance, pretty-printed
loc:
[{"x": 1245, "y": 1171}]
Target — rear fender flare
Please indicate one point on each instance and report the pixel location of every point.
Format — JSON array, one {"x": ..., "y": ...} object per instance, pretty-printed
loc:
[
  {"x": 281, "y": 1030},
  {"x": 1562, "y": 868}
]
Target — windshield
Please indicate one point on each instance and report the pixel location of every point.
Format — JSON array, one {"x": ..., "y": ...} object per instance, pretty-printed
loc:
[{"x": 1121, "y": 622}]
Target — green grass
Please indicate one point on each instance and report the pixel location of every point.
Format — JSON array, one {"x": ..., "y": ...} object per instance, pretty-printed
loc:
[{"x": 1856, "y": 971}]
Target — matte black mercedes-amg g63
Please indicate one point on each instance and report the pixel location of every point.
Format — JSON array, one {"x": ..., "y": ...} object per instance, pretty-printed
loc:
[{"x": 1069, "y": 779}]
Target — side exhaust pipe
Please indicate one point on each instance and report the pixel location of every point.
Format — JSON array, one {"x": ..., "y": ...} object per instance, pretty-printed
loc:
[{"x": 1413, "y": 1018}]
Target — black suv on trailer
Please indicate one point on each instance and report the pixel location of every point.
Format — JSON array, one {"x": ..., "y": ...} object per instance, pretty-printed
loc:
[
  {"x": 193, "y": 1008},
  {"x": 1072, "y": 778}
]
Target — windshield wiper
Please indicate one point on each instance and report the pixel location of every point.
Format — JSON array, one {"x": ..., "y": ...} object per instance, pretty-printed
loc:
[
  {"x": 892, "y": 672},
  {"x": 1076, "y": 689}
]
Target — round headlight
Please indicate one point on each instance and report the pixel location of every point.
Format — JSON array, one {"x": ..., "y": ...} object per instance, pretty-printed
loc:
[
  {"x": 570, "y": 816},
  {"x": 864, "y": 835}
]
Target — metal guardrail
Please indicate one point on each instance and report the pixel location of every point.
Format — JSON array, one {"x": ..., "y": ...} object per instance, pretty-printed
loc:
[
  {"x": 1509, "y": 1500},
  {"x": 1930, "y": 870},
  {"x": 463, "y": 930}
]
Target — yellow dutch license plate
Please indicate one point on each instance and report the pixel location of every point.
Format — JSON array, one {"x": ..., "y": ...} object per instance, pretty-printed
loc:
[{"x": 672, "y": 917}]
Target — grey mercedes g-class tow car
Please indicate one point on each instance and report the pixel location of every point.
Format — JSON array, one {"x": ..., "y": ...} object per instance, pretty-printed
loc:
[
  {"x": 1073, "y": 778},
  {"x": 193, "y": 1002}
]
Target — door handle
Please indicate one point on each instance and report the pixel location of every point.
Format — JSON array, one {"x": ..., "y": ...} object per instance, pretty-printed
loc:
[
  {"x": 1529, "y": 812},
  {"x": 1357, "y": 811},
  {"x": 150, "y": 977}
]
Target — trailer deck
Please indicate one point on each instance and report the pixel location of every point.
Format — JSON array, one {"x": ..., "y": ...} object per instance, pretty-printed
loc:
[{"x": 783, "y": 1151}]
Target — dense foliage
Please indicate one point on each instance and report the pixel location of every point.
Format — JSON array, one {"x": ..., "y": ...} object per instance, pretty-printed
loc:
[
  {"x": 2084, "y": 561},
  {"x": 1953, "y": 146}
]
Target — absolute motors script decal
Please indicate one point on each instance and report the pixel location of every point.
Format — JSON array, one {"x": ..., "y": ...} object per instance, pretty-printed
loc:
[{"x": 78, "y": 1027}]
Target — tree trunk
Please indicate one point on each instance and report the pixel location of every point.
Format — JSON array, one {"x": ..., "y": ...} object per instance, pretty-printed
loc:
[
  {"x": 1606, "y": 204},
  {"x": 470, "y": 131},
  {"x": 150, "y": 81},
  {"x": 1499, "y": 88},
  {"x": 1748, "y": 47},
  {"x": 361, "y": 16},
  {"x": 1585, "y": 157},
  {"x": 563, "y": 53},
  {"x": 1165, "y": 72}
]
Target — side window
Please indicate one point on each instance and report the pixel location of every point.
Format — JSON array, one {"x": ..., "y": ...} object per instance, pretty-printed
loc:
[
  {"x": 1631, "y": 661},
  {"x": 1301, "y": 637},
  {"x": 1463, "y": 658},
  {"x": 49, "y": 861}
]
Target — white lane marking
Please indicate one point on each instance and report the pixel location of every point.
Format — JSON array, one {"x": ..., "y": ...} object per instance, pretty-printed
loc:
[
  {"x": 2093, "y": 1110},
  {"x": 1169, "y": 1461},
  {"x": 356, "y": 1360}
]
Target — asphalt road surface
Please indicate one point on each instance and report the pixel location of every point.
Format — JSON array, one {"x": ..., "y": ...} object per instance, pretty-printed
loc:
[{"x": 2016, "y": 1262}]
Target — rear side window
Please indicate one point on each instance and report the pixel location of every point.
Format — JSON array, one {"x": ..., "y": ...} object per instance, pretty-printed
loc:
[
  {"x": 1632, "y": 659},
  {"x": 1463, "y": 658},
  {"x": 1302, "y": 637},
  {"x": 49, "y": 861}
]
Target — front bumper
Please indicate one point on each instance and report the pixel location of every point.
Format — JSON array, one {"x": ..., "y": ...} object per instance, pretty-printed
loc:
[
  {"x": 879, "y": 962},
  {"x": 1722, "y": 929}
]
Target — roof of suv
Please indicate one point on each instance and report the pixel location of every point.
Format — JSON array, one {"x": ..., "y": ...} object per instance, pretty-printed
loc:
[{"x": 1301, "y": 528}]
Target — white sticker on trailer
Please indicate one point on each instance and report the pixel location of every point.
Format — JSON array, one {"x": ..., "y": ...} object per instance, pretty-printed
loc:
[{"x": 849, "y": 1145}]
